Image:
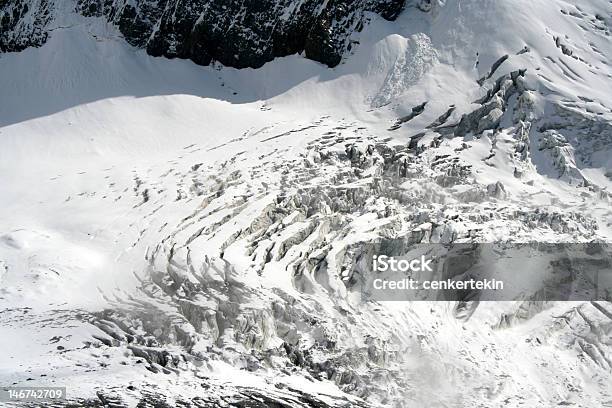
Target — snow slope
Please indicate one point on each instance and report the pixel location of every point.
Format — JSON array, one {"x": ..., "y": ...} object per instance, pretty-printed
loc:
[{"x": 178, "y": 228}]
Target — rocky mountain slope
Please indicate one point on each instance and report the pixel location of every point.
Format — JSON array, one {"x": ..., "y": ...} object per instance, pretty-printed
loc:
[
  {"x": 179, "y": 235},
  {"x": 237, "y": 34},
  {"x": 24, "y": 24}
]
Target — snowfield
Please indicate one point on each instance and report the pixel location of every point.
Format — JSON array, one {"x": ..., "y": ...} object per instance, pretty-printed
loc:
[{"x": 178, "y": 234}]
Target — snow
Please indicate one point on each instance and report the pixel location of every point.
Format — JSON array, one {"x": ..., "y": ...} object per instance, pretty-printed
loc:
[{"x": 98, "y": 145}]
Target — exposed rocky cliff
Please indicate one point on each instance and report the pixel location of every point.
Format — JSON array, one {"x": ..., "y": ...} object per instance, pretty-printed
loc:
[
  {"x": 23, "y": 23},
  {"x": 238, "y": 34},
  {"x": 241, "y": 34}
]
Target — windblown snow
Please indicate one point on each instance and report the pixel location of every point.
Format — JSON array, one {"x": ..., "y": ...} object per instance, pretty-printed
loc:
[{"x": 176, "y": 234}]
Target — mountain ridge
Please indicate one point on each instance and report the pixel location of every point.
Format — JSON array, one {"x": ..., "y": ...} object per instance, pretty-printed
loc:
[{"x": 236, "y": 34}]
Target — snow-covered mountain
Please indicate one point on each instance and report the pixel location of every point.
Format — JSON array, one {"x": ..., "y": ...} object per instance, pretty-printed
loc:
[
  {"x": 175, "y": 234},
  {"x": 237, "y": 34}
]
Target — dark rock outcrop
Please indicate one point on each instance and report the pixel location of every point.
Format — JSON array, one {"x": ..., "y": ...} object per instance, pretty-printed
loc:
[
  {"x": 23, "y": 24},
  {"x": 241, "y": 33}
]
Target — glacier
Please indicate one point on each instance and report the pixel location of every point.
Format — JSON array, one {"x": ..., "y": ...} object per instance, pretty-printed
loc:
[{"x": 179, "y": 232}]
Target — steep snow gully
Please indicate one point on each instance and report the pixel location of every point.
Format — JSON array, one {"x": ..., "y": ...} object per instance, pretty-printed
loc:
[{"x": 188, "y": 190}]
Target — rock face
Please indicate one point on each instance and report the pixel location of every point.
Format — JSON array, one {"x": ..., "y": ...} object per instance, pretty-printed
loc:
[
  {"x": 237, "y": 34},
  {"x": 23, "y": 24},
  {"x": 241, "y": 33}
]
